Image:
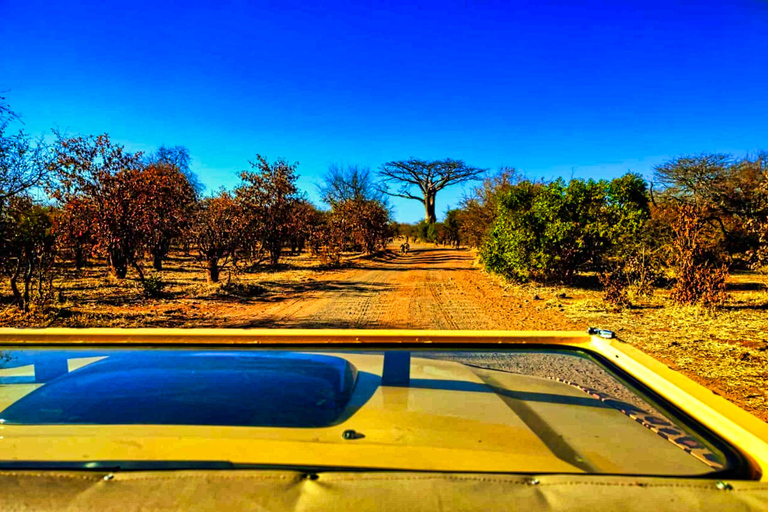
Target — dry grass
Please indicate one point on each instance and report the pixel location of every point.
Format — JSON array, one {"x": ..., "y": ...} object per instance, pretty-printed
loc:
[
  {"x": 91, "y": 297},
  {"x": 725, "y": 349}
]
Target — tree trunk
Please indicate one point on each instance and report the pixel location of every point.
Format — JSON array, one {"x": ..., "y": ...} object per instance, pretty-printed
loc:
[
  {"x": 79, "y": 257},
  {"x": 159, "y": 252},
  {"x": 213, "y": 270},
  {"x": 157, "y": 261},
  {"x": 27, "y": 285},
  {"x": 429, "y": 208},
  {"x": 118, "y": 263},
  {"x": 275, "y": 249},
  {"x": 15, "y": 289}
]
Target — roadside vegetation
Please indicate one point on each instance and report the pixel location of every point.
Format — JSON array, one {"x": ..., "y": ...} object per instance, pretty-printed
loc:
[
  {"x": 84, "y": 202},
  {"x": 700, "y": 219}
]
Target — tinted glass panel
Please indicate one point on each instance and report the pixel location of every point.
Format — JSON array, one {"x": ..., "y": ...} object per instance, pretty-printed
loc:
[{"x": 188, "y": 388}]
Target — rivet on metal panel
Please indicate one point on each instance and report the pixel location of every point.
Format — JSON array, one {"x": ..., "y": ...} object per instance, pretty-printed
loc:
[
  {"x": 109, "y": 477},
  {"x": 724, "y": 486},
  {"x": 311, "y": 476},
  {"x": 533, "y": 481}
]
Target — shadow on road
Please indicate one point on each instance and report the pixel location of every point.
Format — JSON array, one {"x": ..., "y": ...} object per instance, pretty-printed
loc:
[{"x": 280, "y": 291}]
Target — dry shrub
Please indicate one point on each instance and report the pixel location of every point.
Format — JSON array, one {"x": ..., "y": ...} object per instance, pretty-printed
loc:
[
  {"x": 242, "y": 290},
  {"x": 642, "y": 271},
  {"x": 326, "y": 244},
  {"x": 152, "y": 286},
  {"x": 701, "y": 271},
  {"x": 632, "y": 277},
  {"x": 615, "y": 284}
]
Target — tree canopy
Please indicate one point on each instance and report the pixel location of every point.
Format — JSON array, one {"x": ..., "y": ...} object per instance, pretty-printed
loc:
[{"x": 429, "y": 177}]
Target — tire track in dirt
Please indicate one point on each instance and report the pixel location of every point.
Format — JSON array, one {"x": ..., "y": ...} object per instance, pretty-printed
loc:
[
  {"x": 349, "y": 308},
  {"x": 429, "y": 288},
  {"x": 439, "y": 304}
]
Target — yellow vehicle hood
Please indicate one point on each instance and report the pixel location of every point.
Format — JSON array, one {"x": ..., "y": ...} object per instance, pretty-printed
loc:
[{"x": 451, "y": 417}]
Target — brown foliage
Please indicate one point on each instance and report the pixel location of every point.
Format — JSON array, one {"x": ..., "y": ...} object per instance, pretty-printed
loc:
[
  {"x": 615, "y": 285},
  {"x": 353, "y": 224},
  {"x": 75, "y": 230},
  {"x": 701, "y": 271},
  {"x": 633, "y": 275},
  {"x": 303, "y": 222},
  {"x": 641, "y": 269},
  {"x": 364, "y": 223},
  {"x": 216, "y": 231},
  {"x": 170, "y": 199},
  {"x": 479, "y": 207},
  {"x": 268, "y": 195},
  {"x": 731, "y": 195},
  {"x": 125, "y": 207},
  {"x": 327, "y": 241},
  {"x": 95, "y": 170}
]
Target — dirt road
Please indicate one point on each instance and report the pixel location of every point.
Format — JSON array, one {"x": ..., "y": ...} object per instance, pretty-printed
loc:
[{"x": 429, "y": 288}]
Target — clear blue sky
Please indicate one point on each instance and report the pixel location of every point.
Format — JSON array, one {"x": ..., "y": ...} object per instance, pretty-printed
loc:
[{"x": 589, "y": 89}]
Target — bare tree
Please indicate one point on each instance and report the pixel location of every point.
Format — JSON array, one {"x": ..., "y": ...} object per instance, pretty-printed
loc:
[
  {"x": 343, "y": 183},
  {"x": 178, "y": 156},
  {"x": 429, "y": 176},
  {"x": 6, "y": 114},
  {"x": 23, "y": 163}
]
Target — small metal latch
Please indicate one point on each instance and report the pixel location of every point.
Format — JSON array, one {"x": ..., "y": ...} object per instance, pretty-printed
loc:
[
  {"x": 603, "y": 333},
  {"x": 352, "y": 434}
]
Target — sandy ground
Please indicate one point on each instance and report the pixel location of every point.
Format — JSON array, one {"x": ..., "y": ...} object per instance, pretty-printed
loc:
[{"x": 429, "y": 288}]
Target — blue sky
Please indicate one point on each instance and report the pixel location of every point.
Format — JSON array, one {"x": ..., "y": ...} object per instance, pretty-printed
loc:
[{"x": 585, "y": 89}]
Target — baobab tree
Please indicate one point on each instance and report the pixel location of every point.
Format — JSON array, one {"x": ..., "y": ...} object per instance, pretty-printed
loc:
[{"x": 429, "y": 176}]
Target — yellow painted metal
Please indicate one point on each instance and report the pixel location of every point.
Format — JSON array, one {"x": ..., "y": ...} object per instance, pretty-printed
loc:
[
  {"x": 108, "y": 336},
  {"x": 744, "y": 431}
]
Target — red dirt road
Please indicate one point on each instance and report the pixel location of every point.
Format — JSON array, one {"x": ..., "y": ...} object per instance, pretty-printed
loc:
[{"x": 429, "y": 288}]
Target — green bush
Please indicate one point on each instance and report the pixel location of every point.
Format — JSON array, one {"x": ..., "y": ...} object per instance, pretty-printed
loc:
[
  {"x": 427, "y": 231},
  {"x": 153, "y": 286},
  {"x": 548, "y": 231},
  {"x": 28, "y": 251}
]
